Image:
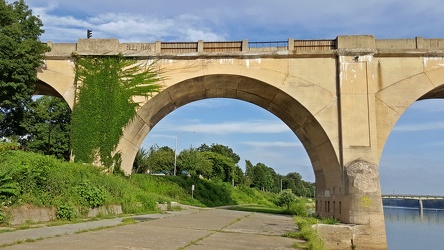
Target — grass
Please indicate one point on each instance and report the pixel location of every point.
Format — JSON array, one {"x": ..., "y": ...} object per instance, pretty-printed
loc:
[
  {"x": 258, "y": 209},
  {"x": 46, "y": 181},
  {"x": 307, "y": 233}
]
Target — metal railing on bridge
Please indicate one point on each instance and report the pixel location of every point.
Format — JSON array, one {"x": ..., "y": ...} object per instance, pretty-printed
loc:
[{"x": 246, "y": 46}]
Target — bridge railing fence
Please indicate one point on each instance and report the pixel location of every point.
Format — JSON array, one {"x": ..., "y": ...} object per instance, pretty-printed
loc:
[
  {"x": 245, "y": 45},
  {"x": 268, "y": 46},
  {"x": 320, "y": 44},
  {"x": 178, "y": 47},
  {"x": 230, "y": 46}
]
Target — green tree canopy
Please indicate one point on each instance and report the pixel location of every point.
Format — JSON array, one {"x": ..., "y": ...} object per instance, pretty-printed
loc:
[
  {"x": 161, "y": 160},
  {"x": 21, "y": 53},
  {"x": 195, "y": 162},
  {"x": 47, "y": 124},
  {"x": 223, "y": 166},
  {"x": 220, "y": 149}
]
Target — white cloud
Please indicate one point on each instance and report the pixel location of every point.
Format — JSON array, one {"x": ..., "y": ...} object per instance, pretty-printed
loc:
[
  {"x": 211, "y": 103},
  {"x": 419, "y": 127},
  {"x": 272, "y": 144},
  {"x": 127, "y": 27},
  {"x": 247, "y": 127}
]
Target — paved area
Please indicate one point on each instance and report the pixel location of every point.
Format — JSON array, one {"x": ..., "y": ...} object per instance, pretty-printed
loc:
[{"x": 188, "y": 229}]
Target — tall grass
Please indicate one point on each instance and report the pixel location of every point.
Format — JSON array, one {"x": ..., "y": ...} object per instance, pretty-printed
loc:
[
  {"x": 308, "y": 233},
  {"x": 46, "y": 181}
]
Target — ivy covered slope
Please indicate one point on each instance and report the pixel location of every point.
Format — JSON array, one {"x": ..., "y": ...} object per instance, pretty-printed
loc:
[{"x": 106, "y": 87}]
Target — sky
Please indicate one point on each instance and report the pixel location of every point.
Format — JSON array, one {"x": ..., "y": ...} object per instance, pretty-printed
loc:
[{"x": 411, "y": 162}]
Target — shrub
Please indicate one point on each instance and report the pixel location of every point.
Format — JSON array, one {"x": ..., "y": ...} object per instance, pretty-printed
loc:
[
  {"x": 90, "y": 195},
  {"x": 66, "y": 212},
  {"x": 286, "y": 198}
]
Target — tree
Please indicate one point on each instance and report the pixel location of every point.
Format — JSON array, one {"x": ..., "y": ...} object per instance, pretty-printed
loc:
[
  {"x": 161, "y": 160},
  {"x": 223, "y": 166},
  {"x": 141, "y": 164},
  {"x": 21, "y": 53},
  {"x": 195, "y": 163},
  {"x": 264, "y": 178},
  {"x": 286, "y": 198},
  {"x": 220, "y": 149},
  {"x": 47, "y": 125}
]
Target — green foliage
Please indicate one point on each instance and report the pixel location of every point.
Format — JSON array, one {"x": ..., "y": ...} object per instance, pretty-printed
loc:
[
  {"x": 287, "y": 198},
  {"x": 47, "y": 122},
  {"x": 330, "y": 221},
  {"x": 299, "y": 187},
  {"x": 220, "y": 149},
  {"x": 8, "y": 188},
  {"x": 91, "y": 196},
  {"x": 21, "y": 53},
  {"x": 195, "y": 163},
  {"x": 66, "y": 212},
  {"x": 263, "y": 177},
  {"x": 308, "y": 233},
  {"x": 105, "y": 104},
  {"x": 46, "y": 181}
]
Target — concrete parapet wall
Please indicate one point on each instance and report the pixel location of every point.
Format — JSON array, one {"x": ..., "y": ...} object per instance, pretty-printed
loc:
[{"x": 292, "y": 47}]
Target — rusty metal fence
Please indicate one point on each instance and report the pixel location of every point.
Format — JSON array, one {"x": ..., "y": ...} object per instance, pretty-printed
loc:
[
  {"x": 232, "y": 46},
  {"x": 314, "y": 44},
  {"x": 239, "y": 46}
]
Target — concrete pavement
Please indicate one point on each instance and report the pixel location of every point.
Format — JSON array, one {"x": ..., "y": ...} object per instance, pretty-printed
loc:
[{"x": 187, "y": 229}]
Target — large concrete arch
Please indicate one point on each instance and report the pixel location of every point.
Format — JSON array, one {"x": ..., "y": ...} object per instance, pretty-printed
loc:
[
  {"x": 56, "y": 78},
  {"x": 394, "y": 100},
  {"x": 290, "y": 111}
]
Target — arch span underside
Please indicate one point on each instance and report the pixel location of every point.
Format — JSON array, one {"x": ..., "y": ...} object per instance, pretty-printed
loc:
[
  {"x": 42, "y": 88},
  {"x": 305, "y": 126}
]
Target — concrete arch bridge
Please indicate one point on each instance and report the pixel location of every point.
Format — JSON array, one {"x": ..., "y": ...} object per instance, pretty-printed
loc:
[{"x": 340, "y": 97}]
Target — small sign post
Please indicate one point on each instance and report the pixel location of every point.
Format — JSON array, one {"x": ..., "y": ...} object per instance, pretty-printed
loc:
[{"x": 192, "y": 191}]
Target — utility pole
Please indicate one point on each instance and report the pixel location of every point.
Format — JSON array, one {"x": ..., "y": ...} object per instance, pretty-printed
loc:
[{"x": 175, "y": 156}]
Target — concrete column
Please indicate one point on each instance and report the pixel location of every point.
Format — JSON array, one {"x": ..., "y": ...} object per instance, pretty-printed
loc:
[
  {"x": 200, "y": 46},
  {"x": 158, "y": 47},
  {"x": 244, "y": 45},
  {"x": 421, "y": 209},
  {"x": 290, "y": 44},
  {"x": 361, "y": 202},
  {"x": 419, "y": 42}
]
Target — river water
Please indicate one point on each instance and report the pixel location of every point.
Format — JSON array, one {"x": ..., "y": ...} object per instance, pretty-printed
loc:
[{"x": 406, "y": 229}]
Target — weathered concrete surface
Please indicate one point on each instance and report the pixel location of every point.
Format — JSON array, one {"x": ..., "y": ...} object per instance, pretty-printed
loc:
[
  {"x": 343, "y": 236},
  {"x": 191, "y": 229}
]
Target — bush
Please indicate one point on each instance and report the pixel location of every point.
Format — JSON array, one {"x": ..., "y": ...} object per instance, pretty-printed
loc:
[
  {"x": 286, "y": 198},
  {"x": 66, "y": 212},
  {"x": 90, "y": 195}
]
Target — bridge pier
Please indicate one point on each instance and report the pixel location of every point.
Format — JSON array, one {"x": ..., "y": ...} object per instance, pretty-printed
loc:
[{"x": 421, "y": 209}]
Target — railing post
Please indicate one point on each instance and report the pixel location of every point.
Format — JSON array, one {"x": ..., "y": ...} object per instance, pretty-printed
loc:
[
  {"x": 245, "y": 45},
  {"x": 419, "y": 42},
  {"x": 290, "y": 44},
  {"x": 200, "y": 46},
  {"x": 158, "y": 48}
]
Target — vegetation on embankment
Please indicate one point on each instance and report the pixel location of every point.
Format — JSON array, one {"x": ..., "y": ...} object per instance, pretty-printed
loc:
[{"x": 30, "y": 178}]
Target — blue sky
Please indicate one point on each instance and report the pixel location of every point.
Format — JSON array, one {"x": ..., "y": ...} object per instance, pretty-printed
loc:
[{"x": 412, "y": 159}]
